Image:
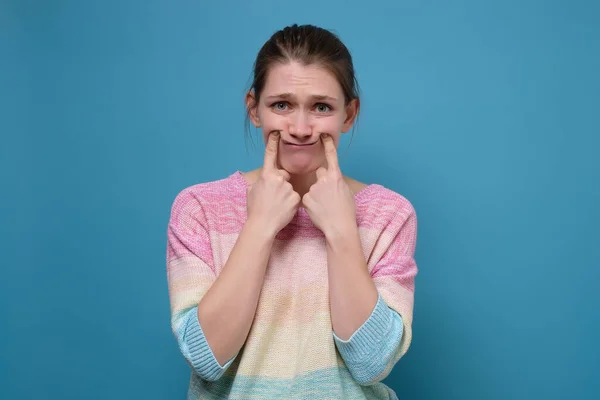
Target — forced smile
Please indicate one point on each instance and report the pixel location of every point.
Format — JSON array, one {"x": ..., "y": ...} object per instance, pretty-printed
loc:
[{"x": 300, "y": 144}]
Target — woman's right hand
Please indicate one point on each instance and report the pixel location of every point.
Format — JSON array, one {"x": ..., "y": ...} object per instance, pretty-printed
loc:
[{"x": 272, "y": 201}]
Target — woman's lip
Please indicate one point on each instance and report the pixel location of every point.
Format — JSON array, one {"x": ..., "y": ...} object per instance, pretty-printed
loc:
[{"x": 300, "y": 145}]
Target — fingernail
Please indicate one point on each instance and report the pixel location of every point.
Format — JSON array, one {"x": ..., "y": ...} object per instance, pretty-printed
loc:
[
  {"x": 324, "y": 135},
  {"x": 275, "y": 133}
]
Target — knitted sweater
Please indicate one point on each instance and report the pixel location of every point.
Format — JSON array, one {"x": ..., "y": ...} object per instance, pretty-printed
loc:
[{"x": 291, "y": 351}]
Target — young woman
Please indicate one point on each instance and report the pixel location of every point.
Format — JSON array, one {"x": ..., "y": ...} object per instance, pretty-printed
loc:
[{"x": 293, "y": 281}]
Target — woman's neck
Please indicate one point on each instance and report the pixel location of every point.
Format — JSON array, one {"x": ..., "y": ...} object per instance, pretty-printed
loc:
[{"x": 302, "y": 183}]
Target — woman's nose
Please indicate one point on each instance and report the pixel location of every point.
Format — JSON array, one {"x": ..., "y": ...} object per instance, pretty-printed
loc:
[{"x": 300, "y": 127}]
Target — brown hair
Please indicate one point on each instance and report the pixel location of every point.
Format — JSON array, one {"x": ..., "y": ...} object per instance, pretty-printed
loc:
[{"x": 307, "y": 44}]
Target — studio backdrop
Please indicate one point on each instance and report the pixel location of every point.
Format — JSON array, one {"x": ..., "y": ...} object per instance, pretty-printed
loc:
[{"x": 484, "y": 114}]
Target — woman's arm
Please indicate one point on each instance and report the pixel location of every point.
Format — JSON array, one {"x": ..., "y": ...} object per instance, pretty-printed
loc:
[
  {"x": 372, "y": 336},
  {"x": 366, "y": 331},
  {"x": 212, "y": 313},
  {"x": 371, "y": 308},
  {"x": 352, "y": 292},
  {"x": 227, "y": 310}
]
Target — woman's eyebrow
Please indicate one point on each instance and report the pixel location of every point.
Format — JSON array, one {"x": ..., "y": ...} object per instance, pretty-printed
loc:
[
  {"x": 323, "y": 97},
  {"x": 288, "y": 96},
  {"x": 285, "y": 96}
]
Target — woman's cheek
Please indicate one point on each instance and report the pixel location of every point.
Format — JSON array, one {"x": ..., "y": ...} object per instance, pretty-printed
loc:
[
  {"x": 329, "y": 125},
  {"x": 273, "y": 123}
]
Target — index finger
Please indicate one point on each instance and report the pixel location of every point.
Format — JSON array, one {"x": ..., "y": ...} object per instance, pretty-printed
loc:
[
  {"x": 271, "y": 151},
  {"x": 330, "y": 153}
]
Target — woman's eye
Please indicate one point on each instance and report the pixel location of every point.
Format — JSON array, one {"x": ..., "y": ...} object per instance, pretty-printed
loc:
[
  {"x": 280, "y": 106},
  {"x": 323, "y": 108}
]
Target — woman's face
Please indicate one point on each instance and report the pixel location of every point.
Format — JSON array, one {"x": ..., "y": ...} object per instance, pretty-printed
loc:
[{"x": 302, "y": 102}]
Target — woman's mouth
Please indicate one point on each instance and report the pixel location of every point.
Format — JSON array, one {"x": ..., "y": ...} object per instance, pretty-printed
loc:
[{"x": 300, "y": 145}]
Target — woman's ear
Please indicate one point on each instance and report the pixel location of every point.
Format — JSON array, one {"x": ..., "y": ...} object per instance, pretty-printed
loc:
[
  {"x": 351, "y": 113},
  {"x": 252, "y": 108}
]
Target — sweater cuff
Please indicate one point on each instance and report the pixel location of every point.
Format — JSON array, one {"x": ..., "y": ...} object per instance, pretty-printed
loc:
[
  {"x": 376, "y": 339},
  {"x": 199, "y": 352}
]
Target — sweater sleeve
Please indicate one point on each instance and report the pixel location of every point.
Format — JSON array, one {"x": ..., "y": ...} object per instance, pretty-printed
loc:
[
  {"x": 373, "y": 350},
  {"x": 367, "y": 352},
  {"x": 190, "y": 273}
]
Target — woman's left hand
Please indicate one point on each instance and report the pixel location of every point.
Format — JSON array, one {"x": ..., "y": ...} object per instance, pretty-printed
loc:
[{"x": 330, "y": 201}]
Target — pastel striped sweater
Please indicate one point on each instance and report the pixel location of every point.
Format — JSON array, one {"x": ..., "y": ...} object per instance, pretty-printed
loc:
[{"x": 291, "y": 351}]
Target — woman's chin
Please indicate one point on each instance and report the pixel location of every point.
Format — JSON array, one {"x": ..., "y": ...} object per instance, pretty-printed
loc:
[{"x": 297, "y": 168}]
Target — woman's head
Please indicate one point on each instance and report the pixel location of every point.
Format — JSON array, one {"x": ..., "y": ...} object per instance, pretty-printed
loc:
[{"x": 304, "y": 85}]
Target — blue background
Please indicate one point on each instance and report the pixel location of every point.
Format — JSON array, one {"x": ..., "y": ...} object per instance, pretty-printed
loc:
[{"x": 485, "y": 115}]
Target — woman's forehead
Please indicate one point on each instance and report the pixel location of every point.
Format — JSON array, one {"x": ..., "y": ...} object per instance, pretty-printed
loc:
[{"x": 295, "y": 79}]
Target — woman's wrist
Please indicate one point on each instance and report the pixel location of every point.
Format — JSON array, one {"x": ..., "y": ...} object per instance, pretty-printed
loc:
[
  {"x": 342, "y": 236},
  {"x": 259, "y": 230}
]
